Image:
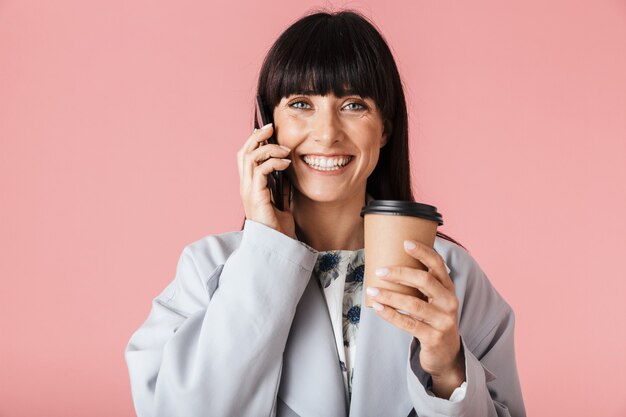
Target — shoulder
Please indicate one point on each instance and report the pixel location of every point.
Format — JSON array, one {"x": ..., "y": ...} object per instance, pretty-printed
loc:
[
  {"x": 199, "y": 261},
  {"x": 210, "y": 251},
  {"x": 481, "y": 307},
  {"x": 460, "y": 264}
]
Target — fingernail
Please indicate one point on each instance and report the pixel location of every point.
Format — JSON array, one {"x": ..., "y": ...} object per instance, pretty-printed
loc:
[
  {"x": 381, "y": 272},
  {"x": 255, "y": 129},
  {"x": 377, "y": 306},
  {"x": 286, "y": 160},
  {"x": 372, "y": 291},
  {"x": 285, "y": 148},
  {"x": 408, "y": 245},
  {"x": 266, "y": 126}
]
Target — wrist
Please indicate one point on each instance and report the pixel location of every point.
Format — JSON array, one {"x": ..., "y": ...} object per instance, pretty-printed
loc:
[{"x": 445, "y": 383}]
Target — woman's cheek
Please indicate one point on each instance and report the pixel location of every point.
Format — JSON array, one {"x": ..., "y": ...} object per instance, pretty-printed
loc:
[{"x": 290, "y": 134}]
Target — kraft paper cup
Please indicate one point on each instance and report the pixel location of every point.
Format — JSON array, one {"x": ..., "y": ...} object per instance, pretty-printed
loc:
[{"x": 388, "y": 223}]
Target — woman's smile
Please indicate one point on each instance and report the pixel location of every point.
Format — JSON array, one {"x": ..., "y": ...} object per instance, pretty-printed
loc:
[{"x": 335, "y": 165}]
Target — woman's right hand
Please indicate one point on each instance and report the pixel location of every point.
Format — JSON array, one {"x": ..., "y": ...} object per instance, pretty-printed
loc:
[{"x": 255, "y": 162}]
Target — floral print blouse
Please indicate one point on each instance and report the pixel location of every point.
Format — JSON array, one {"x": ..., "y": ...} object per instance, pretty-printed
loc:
[{"x": 340, "y": 274}]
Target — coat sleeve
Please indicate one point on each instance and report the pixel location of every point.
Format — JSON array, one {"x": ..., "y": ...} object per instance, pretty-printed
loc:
[
  {"x": 487, "y": 325},
  {"x": 199, "y": 355}
]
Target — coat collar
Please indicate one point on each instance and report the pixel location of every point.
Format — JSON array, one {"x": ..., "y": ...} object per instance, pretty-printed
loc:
[{"x": 311, "y": 380}]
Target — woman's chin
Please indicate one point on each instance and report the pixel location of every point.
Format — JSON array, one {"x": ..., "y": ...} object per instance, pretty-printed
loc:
[{"x": 325, "y": 194}]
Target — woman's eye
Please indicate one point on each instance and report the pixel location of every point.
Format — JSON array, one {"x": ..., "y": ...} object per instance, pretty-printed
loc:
[
  {"x": 303, "y": 105},
  {"x": 361, "y": 106},
  {"x": 294, "y": 104}
]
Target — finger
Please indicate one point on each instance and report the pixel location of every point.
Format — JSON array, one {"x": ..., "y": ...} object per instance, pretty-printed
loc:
[
  {"x": 258, "y": 136},
  {"x": 407, "y": 323},
  {"x": 413, "y": 306},
  {"x": 265, "y": 152},
  {"x": 241, "y": 153},
  {"x": 432, "y": 260},
  {"x": 259, "y": 180},
  {"x": 416, "y": 278},
  {"x": 427, "y": 283}
]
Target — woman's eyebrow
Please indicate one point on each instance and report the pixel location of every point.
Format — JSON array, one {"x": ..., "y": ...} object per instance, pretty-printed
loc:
[{"x": 314, "y": 93}]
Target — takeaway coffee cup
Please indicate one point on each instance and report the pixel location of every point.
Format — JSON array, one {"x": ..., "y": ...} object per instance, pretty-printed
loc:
[{"x": 388, "y": 223}]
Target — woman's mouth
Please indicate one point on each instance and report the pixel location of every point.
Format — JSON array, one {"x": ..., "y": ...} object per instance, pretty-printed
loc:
[{"x": 329, "y": 165}]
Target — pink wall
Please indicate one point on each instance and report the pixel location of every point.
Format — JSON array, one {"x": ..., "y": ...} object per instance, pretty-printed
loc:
[{"x": 119, "y": 124}]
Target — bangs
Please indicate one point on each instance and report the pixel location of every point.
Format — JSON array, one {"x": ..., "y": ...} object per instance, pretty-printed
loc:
[{"x": 323, "y": 57}]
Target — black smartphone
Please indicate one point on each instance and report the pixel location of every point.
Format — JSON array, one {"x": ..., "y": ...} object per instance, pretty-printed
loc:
[{"x": 275, "y": 179}]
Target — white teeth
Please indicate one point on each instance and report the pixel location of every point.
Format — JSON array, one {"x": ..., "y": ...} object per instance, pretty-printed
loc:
[{"x": 327, "y": 164}]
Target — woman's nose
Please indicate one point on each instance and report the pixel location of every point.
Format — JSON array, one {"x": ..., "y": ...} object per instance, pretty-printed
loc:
[{"x": 326, "y": 127}]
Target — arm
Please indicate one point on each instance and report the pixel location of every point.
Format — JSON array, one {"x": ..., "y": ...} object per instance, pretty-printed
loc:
[
  {"x": 223, "y": 357},
  {"x": 487, "y": 325},
  {"x": 453, "y": 312}
]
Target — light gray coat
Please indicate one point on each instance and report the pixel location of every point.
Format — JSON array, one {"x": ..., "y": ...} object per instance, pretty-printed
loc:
[{"x": 243, "y": 330}]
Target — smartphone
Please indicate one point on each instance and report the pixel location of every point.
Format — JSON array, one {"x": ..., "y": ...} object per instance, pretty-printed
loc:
[{"x": 275, "y": 179}]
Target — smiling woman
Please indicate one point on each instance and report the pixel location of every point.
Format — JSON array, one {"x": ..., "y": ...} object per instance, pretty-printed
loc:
[{"x": 266, "y": 320}]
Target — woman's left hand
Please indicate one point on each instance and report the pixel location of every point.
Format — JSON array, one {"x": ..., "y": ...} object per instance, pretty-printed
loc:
[{"x": 432, "y": 322}]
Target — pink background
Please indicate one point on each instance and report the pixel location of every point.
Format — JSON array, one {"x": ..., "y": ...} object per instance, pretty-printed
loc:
[{"x": 119, "y": 127}]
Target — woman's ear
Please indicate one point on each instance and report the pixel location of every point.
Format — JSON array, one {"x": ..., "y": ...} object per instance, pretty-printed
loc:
[{"x": 387, "y": 128}]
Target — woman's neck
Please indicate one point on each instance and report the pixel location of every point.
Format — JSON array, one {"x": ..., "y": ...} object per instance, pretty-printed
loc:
[{"x": 325, "y": 226}]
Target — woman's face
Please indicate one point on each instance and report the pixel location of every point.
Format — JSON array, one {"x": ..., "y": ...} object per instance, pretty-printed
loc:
[{"x": 324, "y": 133}]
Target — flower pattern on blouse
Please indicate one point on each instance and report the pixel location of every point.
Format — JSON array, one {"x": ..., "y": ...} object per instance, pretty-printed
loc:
[
  {"x": 327, "y": 267},
  {"x": 340, "y": 275}
]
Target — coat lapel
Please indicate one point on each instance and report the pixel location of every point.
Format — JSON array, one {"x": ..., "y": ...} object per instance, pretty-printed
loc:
[
  {"x": 379, "y": 385},
  {"x": 311, "y": 380}
]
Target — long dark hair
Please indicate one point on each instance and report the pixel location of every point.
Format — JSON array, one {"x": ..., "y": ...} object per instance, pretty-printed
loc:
[{"x": 345, "y": 53}]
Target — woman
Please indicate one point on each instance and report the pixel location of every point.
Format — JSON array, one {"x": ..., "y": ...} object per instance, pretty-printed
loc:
[{"x": 264, "y": 321}]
